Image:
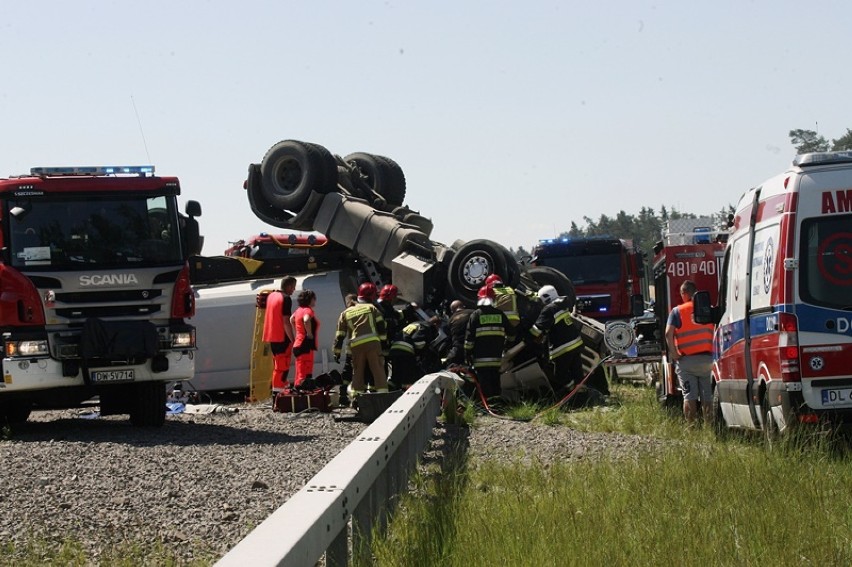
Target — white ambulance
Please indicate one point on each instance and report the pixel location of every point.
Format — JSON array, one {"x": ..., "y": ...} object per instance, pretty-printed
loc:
[{"x": 783, "y": 340}]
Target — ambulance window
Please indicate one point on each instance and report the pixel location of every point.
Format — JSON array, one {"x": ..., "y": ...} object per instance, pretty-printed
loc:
[{"x": 825, "y": 275}]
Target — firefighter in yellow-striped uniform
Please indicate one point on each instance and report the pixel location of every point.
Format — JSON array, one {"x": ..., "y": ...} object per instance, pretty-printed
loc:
[
  {"x": 363, "y": 324},
  {"x": 484, "y": 343},
  {"x": 556, "y": 325}
]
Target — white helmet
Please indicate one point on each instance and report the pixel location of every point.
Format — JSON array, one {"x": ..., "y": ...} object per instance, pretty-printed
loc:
[{"x": 547, "y": 294}]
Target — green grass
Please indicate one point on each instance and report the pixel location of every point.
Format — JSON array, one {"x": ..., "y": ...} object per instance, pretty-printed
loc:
[
  {"x": 695, "y": 502},
  {"x": 71, "y": 553}
]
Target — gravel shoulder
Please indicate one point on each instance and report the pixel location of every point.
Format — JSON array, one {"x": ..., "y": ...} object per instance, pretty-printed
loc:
[{"x": 202, "y": 482}]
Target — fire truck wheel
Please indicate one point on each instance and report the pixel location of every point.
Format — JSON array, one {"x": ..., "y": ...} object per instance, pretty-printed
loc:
[
  {"x": 381, "y": 174},
  {"x": 148, "y": 406},
  {"x": 545, "y": 275},
  {"x": 290, "y": 170},
  {"x": 473, "y": 262}
]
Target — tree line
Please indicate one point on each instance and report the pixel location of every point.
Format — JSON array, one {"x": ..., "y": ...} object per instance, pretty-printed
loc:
[{"x": 646, "y": 228}]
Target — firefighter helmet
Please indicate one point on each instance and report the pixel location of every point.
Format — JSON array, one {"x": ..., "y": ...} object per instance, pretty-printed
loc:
[
  {"x": 486, "y": 292},
  {"x": 547, "y": 294},
  {"x": 389, "y": 292},
  {"x": 367, "y": 292},
  {"x": 493, "y": 280}
]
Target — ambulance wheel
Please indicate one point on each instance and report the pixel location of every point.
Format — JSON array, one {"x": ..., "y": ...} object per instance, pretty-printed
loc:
[
  {"x": 290, "y": 170},
  {"x": 545, "y": 275},
  {"x": 473, "y": 262},
  {"x": 771, "y": 432},
  {"x": 382, "y": 175},
  {"x": 720, "y": 428},
  {"x": 148, "y": 406}
]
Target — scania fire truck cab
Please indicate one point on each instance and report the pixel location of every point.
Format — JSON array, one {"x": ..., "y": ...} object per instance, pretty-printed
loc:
[{"x": 95, "y": 290}]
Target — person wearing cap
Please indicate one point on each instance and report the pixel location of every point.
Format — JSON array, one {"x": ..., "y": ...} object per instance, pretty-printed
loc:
[
  {"x": 363, "y": 325},
  {"x": 485, "y": 340},
  {"x": 278, "y": 332},
  {"x": 556, "y": 326}
]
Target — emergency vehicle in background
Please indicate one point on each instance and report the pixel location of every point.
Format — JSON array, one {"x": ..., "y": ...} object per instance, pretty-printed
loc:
[
  {"x": 95, "y": 290},
  {"x": 608, "y": 274},
  {"x": 691, "y": 249},
  {"x": 783, "y": 340}
]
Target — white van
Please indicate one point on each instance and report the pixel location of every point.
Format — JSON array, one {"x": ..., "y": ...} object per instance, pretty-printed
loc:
[{"x": 783, "y": 341}]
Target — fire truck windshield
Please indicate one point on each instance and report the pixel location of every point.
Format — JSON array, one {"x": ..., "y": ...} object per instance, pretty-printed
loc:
[
  {"x": 56, "y": 233},
  {"x": 587, "y": 268}
]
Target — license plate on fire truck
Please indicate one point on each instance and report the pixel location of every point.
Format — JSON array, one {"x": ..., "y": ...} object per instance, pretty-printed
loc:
[{"x": 102, "y": 376}]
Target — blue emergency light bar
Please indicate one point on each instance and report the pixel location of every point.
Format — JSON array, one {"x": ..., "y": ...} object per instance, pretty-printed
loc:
[
  {"x": 821, "y": 158},
  {"x": 93, "y": 170}
]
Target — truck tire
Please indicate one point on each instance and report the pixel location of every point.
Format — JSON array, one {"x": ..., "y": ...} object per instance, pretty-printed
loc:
[
  {"x": 473, "y": 262},
  {"x": 771, "y": 431},
  {"x": 14, "y": 413},
  {"x": 545, "y": 275},
  {"x": 290, "y": 170},
  {"x": 382, "y": 175},
  {"x": 513, "y": 270},
  {"x": 148, "y": 406}
]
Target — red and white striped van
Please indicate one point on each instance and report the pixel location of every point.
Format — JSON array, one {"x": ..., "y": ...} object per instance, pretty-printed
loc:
[{"x": 783, "y": 340}]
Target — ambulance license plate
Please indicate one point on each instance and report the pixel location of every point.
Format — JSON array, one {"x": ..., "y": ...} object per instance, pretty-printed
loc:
[
  {"x": 101, "y": 376},
  {"x": 836, "y": 397}
]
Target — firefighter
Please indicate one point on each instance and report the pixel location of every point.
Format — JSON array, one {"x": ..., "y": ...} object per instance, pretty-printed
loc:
[
  {"x": 690, "y": 347},
  {"x": 394, "y": 319},
  {"x": 485, "y": 340},
  {"x": 556, "y": 326},
  {"x": 457, "y": 327},
  {"x": 364, "y": 326},
  {"x": 505, "y": 299},
  {"x": 278, "y": 332},
  {"x": 409, "y": 351}
]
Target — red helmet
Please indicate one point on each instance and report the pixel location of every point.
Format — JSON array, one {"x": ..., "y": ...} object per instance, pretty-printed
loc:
[
  {"x": 367, "y": 291},
  {"x": 389, "y": 292},
  {"x": 486, "y": 292},
  {"x": 493, "y": 280}
]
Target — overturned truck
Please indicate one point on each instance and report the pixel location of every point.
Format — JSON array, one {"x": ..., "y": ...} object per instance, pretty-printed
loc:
[{"x": 357, "y": 201}]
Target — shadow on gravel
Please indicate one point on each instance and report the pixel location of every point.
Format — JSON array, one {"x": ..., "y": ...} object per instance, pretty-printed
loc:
[{"x": 173, "y": 433}]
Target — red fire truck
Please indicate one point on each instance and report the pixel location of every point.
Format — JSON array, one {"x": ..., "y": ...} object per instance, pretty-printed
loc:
[
  {"x": 608, "y": 274},
  {"x": 95, "y": 290},
  {"x": 691, "y": 249}
]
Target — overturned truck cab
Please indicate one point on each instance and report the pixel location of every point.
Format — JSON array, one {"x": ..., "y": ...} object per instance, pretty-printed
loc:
[{"x": 356, "y": 201}]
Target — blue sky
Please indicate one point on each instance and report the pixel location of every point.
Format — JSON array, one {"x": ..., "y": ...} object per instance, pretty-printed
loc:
[{"x": 509, "y": 119}]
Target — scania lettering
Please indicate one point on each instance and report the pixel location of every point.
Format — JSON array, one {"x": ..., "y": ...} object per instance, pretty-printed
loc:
[
  {"x": 109, "y": 279},
  {"x": 95, "y": 290},
  {"x": 783, "y": 352}
]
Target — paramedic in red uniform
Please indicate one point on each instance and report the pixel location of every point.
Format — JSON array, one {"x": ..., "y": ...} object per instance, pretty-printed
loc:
[
  {"x": 690, "y": 348},
  {"x": 306, "y": 325},
  {"x": 278, "y": 332}
]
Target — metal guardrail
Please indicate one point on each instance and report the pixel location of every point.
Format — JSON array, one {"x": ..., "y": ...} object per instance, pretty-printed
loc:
[{"x": 359, "y": 484}]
